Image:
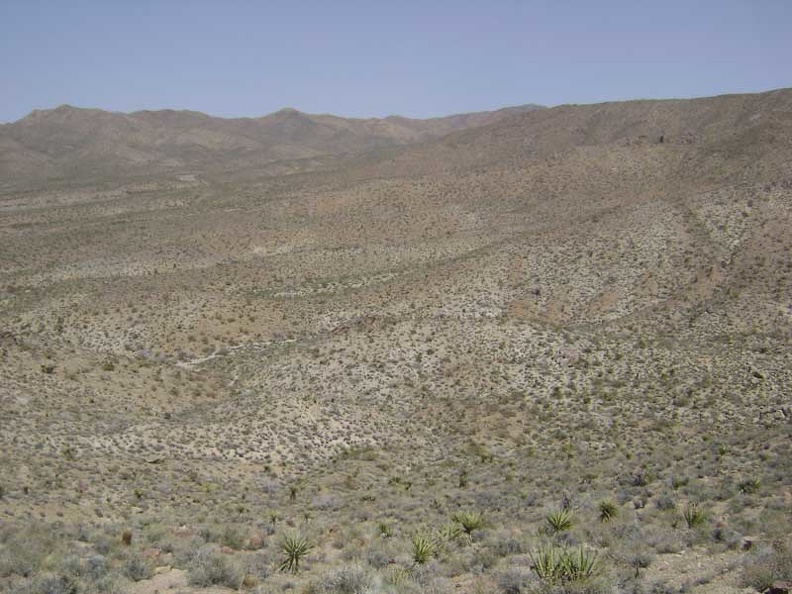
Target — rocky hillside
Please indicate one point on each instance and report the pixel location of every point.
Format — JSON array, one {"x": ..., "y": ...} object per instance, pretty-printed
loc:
[{"x": 444, "y": 365}]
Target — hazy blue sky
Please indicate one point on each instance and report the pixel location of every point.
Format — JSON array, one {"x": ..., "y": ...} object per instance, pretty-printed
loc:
[{"x": 374, "y": 58}]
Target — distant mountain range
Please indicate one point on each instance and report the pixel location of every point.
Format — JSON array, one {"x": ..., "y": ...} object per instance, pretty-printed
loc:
[{"x": 58, "y": 143}]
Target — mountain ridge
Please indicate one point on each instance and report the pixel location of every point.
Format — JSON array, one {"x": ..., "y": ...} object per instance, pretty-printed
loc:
[{"x": 56, "y": 143}]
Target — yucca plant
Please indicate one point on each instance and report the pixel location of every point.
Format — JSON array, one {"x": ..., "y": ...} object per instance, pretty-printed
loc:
[
  {"x": 694, "y": 515},
  {"x": 580, "y": 564},
  {"x": 554, "y": 564},
  {"x": 398, "y": 576},
  {"x": 449, "y": 532},
  {"x": 546, "y": 562},
  {"x": 385, "y": 529},
  {"x": 423, "y": 549},
  {"x": 749, "y": 486},
  {"x": 469, "y": 520},
  {"x": 294, "y": 547},
  {"x": 607, "y": 510},
  {"x": 558, "y": 521}
]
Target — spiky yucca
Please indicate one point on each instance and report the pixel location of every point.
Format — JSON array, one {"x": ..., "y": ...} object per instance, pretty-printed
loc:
[
  {"x": 558, "y": 521},
  {"x": 294, "y": 547},
  {"x": 554, "y": 564},
  {"x": 607, "y": 510},
  {"x": 423, "y": 549},
  {"x": 469, "y": 520},
  {"x": 694, "y": 515}
]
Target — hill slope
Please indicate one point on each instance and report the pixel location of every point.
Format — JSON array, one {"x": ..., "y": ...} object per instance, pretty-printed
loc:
[
  {"x": 75, "y": 143},
  {"x": 553, "y": 310}
]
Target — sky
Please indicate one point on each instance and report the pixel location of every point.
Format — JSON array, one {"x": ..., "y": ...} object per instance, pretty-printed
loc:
[{"x": 380, "y": 57}]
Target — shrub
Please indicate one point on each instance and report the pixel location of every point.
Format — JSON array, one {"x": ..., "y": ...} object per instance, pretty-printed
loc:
[
  {"x": 641, "y": 559},
  {"x": 209, "y": 567},
  {"x": 137, "y": 569},
  {"x": 48, "y": 584},
  {"x": 294, "y": 547},
  {"x": 348, "y": 580},
  {"x": 749, "y": 486},
  {"x": 665, "y": 502},
  {"x": 513, "y": 580},
  {"x": 767, "y": 566},
  {"x": 506, "y": 546}
]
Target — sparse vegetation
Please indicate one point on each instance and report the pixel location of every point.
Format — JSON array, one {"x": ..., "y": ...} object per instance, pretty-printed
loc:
[{"x": 419, "y": 373}]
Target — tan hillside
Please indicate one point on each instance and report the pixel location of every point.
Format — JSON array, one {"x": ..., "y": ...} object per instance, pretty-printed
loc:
[
  {"x": 76, "y": 144},
  {"x": 436, "y": 358}
]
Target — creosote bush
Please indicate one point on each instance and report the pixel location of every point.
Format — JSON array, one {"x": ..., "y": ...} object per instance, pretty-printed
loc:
[
  {"x": 138, "y": 569},
  {"x": 768, "y": 565},
  {"x": 348, "y": 580},
  {"x": 209, "y": 567}
]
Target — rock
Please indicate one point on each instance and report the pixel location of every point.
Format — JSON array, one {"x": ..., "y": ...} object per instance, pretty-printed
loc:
[{"x": 779, "y": 588}]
